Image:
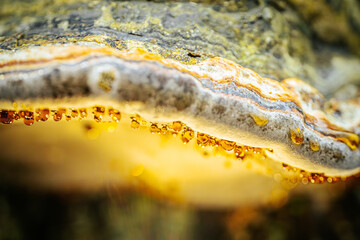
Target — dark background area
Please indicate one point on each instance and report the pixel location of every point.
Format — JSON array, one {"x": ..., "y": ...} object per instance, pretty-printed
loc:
[{"x": 114, "y": 214}]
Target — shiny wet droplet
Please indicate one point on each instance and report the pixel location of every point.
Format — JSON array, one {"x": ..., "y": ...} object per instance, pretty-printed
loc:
[{"x": 296, "y": 136}]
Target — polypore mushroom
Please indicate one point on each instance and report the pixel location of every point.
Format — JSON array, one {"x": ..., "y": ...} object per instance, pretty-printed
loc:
[{"x": 240, "y": 129}]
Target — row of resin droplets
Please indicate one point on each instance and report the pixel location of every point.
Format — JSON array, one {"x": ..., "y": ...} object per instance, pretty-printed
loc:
[{"x": 176, "y": 128}]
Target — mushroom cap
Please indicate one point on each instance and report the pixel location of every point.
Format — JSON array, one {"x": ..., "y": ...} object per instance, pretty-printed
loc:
[{"x": 241, "y": 129}]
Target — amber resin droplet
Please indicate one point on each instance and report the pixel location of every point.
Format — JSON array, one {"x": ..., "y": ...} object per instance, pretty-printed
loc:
[
  {"x": 22, "y": 114},
  {"x": 83, "y": 112},
  {"x": 164, "y": 129},
  {"x": 99, "y": 112},
  {"x": 284, "y": 166},
  {"x": 134, "y": 123},
  {"x": 7, "y": 116},
  {"x": 187, "y": 135},
  {"x": 314, "y": 146},
  {"x": 202, "y": 139},
  {"x": 259, "y": 120},
  {"x": 314, "y": 178},
  {"x": 154, "y": 129},
  {"x": 255, "y": 150},
  {"x": 213, "y": 142},
  {"x": 114, "y": 114},
  {"x": 59, "y": 114},
  {"x": 28, "y": 117},
  {"x": 296, "y": 136},
  {"x": 43, "y": 114},
  {"x": 322, "y": 179},
  {"x": 227, "y": 145},
  {"x": 14, "y": 114},
  {"x": 239, "y": 151},
  {"x": 74, "y": 113},
  {"x": 176, "y": 126}
]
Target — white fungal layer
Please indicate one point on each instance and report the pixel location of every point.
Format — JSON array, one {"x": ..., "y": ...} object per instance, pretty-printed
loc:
[{"x": 205, "y": 102}]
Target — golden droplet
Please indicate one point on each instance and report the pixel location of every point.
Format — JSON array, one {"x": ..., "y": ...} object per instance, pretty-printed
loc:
[
  {"x": 314, "y": 146},
  {"x": 154, "y": 129},
  {"x": 257, "y": 150},
  {"x": 74, "y": 113},
  {"x": 114, "y": 114},
  {"x": 296, "y": 136},
  {"x": 164, "y": 130},
  {"x": 16, "y": 116},
  {"x": 22, "y": 114},
  {"x": 83, "y": 113},
  {"x": 227, "y": 145},
  {"x": 28, "y": 117},
  {"x": 7, "y": 117},
  {"x": 176, "y": 126},
  {"x": 99, "y": 112},
  {"x": 239, "y": 151},
  {"x": 134, "y": 124},
  {"x": 202, "y": 139},
  {"x": 213, "y": 142},
  {"x": 43, "y": 114},
  {"x": 316, "y": 178},
  {"x": 187, "y": 135},
  {"x": 285, "y": 166},
  {"x": 59, "y": 114},
  {"x": 137, "y": 171},
  {"x": 259, "y": 120}
]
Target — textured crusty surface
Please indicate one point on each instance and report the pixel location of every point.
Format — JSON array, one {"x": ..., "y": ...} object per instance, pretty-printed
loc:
[
  {"x": 269, "y": 37},
  {"x": 186, "y": 31}
]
